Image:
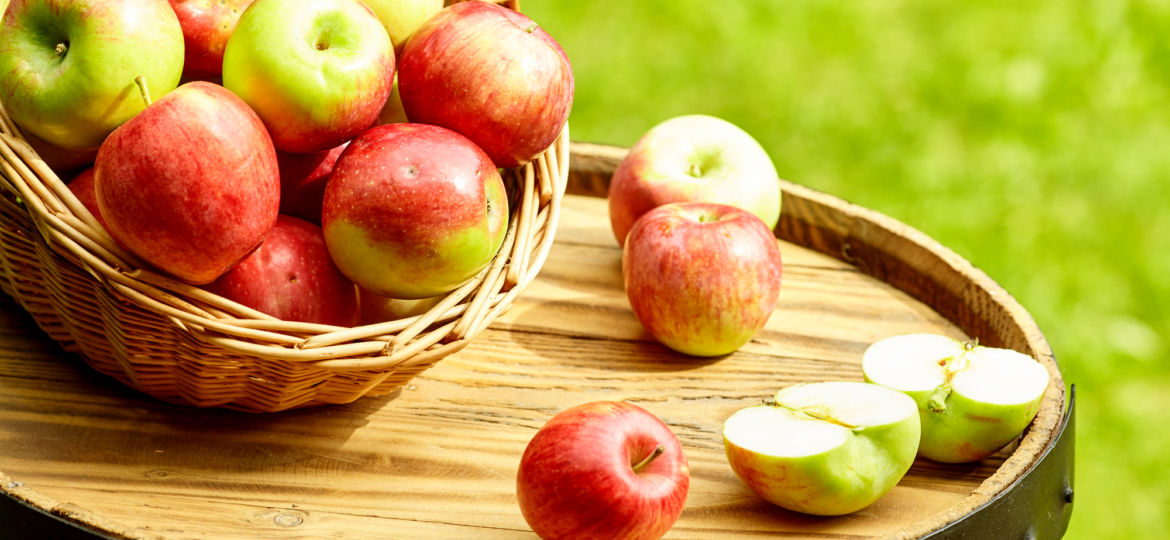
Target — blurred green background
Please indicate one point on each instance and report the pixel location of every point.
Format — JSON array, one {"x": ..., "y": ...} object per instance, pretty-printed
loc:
[{"x": 1033, "y": 138}]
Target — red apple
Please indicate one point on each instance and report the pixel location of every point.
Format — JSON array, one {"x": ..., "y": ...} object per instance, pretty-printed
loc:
[
  {"x": 413, "y": 210},
  {"x": 302, "y": 181},
  {"x": 291, "y": 277},
  {"x": 63, "y": 161},
  {"x": 603, "y": 469},
  {"x": 207, "y": 24},
  {"x": 702, "y": 278},
  {"x": 83, "y": 188},
  {"x": 190, "y": 184},
  {"x": 491, "y": 74}
]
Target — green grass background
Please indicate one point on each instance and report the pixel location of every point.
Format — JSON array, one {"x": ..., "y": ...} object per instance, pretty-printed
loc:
[{"x": 1033, "y": 138}]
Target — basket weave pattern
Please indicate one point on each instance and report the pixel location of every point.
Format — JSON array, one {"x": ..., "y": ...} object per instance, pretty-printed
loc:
[{"x": 181, "y": 344}]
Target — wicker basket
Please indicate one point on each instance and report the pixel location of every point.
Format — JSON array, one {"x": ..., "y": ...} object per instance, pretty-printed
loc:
[{"x": 181, "y": 344}]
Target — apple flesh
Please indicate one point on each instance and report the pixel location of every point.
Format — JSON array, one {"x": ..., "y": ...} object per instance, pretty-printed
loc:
[
  {"x": 69, "y": 65},
  {"x": 191, "y": 184},
  {"x": 207, "y": 25},
  {"x": 827, "y": 449},
  {"x": 702, "y": 278},
  {"x": 973, "y": 400},
  {"x": 291, "y": 277},
  {"x": 693, "y": 158},
  {"x": 491, "y": 74},
  {"x": 603, "y": 469},
  {"x": 413, "y": 210},
  {"x": 318, "y": 72}
]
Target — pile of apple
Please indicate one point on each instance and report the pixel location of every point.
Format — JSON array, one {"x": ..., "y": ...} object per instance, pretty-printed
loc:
[
  {"x": 261, "y": 148},
  {"x": 693, "y": 204}
]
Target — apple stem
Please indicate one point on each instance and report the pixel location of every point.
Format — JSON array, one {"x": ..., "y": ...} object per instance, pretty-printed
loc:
[
  {"x": 937, "y": 402},
  {"x": 812, "y": 412},
  {"x": 142, "y": 89},
  {"x": 658, "y": 450}
]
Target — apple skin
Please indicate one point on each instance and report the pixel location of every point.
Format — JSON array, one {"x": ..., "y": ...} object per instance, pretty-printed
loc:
[
  {"x": 376, "y": 308},
  {"x": 402, "y": 17},
  {"x": 577, "y": 480},
  {"x": 191, "y": 184},
  {"x": 84, "y": 188},
  {"x": 302, "y": 181},
  {"x": 75, "y": 98},
  {"x": 830, "y": 481},
  {"x": 702, "y": 278},
  {"x": 318, "y": 72},
  {"x": 964, "y": 429},
  {"x": 291, "y": 277},
  {"x": 413, "y": 210},
  {"x": 693, "y": 158},
  {"x": 491, "y": 74},
  {"x": 206, "y": 24},
  {"x": 65, "y": 162}
]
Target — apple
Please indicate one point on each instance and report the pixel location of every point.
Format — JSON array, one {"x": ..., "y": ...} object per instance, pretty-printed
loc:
[
  {"x": 693, "y": 158},
  {"x": 190, "y": 184},
  {"x": 702, "y": 278},
  {"x": 318, "y": 72},
  {"x": 402, "y": 17},
  {"x": 69, "y": 65},
  {"x": 604, "y": 469},
  {"x": 206, "y": 24},
  {"x": 828, "y": 448},
  {"x": 376, "y": 308},
  {"x": 302, "y": 181},
  {"x": 413, "y": 210},
  {"x": 84, "y": 188},
  {"x": 63, "y": 161},
  {"x": 291, "y": 277},
  {"x": 491, "y": 74},
  {"x": 973, "y": 400}
]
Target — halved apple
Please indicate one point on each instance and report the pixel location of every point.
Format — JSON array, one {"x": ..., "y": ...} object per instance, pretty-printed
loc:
[
  {"x": 826, "y": 448},
  {"x": 972, "y": 399}
]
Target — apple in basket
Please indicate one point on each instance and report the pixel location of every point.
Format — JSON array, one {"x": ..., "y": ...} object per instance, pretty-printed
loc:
[
  {"x": 190, "y": 184},
  {"x": 413, "y": 210},
  {"x": 302, "y": 181},
  {"x": 603, "y": 469},
  {"x": 973, "y": 400},
  {"x": 702, "y": 278},
  {"x": 291, "y": 277},
  {"x": 402, "y": 17},
  {"x": 69, "y": 65},
  {"x": 827, "y": 448},
  {"x": 491, "y": 74},
  {"x": 207, "y": 24},
  {"x": 693, "y": 158},
  {"x": 316, "y": 71}
]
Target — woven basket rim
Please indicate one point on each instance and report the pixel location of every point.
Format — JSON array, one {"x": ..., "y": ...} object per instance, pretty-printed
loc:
[{"x": 71, "y": 231}]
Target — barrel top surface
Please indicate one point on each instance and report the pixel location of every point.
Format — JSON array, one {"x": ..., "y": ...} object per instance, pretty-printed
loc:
[{"x": 438, "y": 459}]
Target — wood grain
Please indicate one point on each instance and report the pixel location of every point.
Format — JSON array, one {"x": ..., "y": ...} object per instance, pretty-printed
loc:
[{"x": 438, "y": 460}]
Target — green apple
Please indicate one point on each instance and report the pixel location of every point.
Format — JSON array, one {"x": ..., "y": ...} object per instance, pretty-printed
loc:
[
  {"x": 69, "y": 65},
  {"x": 973, "y": 400},
  {"x": 826, "y": 448},
  {"x": 318, "y": 72},
  {"x": 693, "y": 158},
  {"x": 402, "y": 17}
]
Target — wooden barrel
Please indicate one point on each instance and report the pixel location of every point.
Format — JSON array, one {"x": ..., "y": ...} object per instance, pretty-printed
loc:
[{"x": 438, "y": 459}]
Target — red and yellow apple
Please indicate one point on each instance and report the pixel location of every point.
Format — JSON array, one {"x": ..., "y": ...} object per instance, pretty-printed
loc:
[
  {"x": 604, "y": 469},
  {"x": 702, "y": 278},
  {"x": 693, "y": 158},
  {"x": 413, "y": 210},
  {"x": 68, "y": 66},
  {"x": 491, "y": 74},
  {"x": 206, "y": 24},
  {"x": 302, "y": 181},
  {"x": 190, "y": 184},
  {"x": 318, "y": 72}
]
